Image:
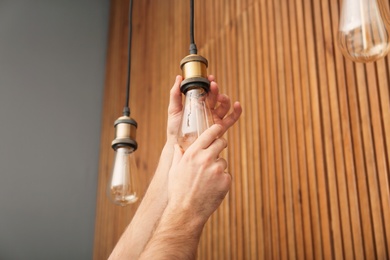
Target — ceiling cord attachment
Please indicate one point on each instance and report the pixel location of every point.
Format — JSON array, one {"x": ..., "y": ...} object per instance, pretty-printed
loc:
[
  {"x": 193, "y": 49},
  {"x": 126, "y": 109}
]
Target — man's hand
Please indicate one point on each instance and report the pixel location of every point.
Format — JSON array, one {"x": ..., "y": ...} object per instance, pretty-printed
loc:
[
  {"x": 219, "y": 105},
  {"x": 197, "y": 179}
]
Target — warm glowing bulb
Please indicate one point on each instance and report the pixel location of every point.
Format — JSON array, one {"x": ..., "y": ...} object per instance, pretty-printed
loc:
[
  {"x": 123, "y": 183},
  {"x": 363, "y": 36},
  {"x": 195, "y": 86},
  {"x": 123, "y": 186},
  {"x": 196, "y": 117}
]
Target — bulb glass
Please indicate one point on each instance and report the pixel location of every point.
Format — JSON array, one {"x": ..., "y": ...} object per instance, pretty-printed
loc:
[
  {"x": 363, "y": 35},
  {"x": 122, "y": 187},
  {"x": 196, "y": 117}
]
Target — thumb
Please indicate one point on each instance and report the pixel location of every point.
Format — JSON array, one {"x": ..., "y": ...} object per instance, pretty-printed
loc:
[{"x": 175, "y": 99}]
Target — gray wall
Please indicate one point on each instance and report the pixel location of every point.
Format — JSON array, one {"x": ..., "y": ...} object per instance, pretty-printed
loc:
[{"x": 52, "y": 60}]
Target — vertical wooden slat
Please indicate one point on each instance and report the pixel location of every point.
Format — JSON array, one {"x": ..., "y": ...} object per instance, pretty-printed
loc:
[
  {"x": 289, "y": 135},
  {"x": 241, "y": 81},
  {"x": 298, "y": 163},
  {"x": 310, "y": 212},
  {"x": 310, "y": 155},
  {"x": 273, "y": 203},
  {"x": 284, "y": 81},
  {"x": 258, "y": 89},
  {"x": 253, "y": 135},
  {"x": 267, "y": 164},
  {"x": 236, "y": 214},
  {"x": 257, "y": 238}
]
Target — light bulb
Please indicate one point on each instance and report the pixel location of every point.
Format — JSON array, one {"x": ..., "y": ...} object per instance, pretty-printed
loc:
[
  {"x": 123, "y": 186},
  {"x": 195, "y": 86},
  {"x": 196, "y": 117},
  {"x": 363, "y": 35}
]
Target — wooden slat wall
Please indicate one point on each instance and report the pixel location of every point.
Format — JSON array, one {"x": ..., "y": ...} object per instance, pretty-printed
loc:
[{"x": 310, "y": 154}]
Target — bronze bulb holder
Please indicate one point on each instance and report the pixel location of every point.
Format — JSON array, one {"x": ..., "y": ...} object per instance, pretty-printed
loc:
[
  {"x": 194, "y": 68},
  {"x": 125, "y": 133}
]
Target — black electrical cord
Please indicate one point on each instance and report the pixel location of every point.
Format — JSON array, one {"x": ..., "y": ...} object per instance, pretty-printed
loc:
[
  {"x": 193, "y": 49},
  {"x": 126, "y": 109}
]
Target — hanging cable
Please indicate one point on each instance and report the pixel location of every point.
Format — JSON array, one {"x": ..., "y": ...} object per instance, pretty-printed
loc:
[
  {"x": 193, "y": 49},
  {"x": 126, "y": 109}
]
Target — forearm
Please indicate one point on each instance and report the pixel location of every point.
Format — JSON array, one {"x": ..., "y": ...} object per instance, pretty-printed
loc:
[
  {"x": 138, "y": 233},
  {"x": 176, "y": 237}
]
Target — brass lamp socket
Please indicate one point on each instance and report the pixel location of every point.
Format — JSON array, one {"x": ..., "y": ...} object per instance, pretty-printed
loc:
[
  {"x": 194, "y": 69},
  {"x": 125, "y": 133}
]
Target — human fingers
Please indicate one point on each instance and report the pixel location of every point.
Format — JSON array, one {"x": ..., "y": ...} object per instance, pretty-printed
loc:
[
  {"x": 221, "y": 165},
  {"x": 232, "y": 117},
  {"x": 216, "y": 148},
  {"x": 213, "y": 94},
  {"x": 207, "y": 137},
  {"x": 175, "y": 99},
  {"x": 225, "y": 179},
  {"x": 211, "y": 78},
  {"x": 224, "y": 106}
]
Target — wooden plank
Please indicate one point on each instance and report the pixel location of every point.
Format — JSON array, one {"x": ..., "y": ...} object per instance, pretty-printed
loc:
[
  {"x": 236, "y": 212},
  {"x": 253, "y": 135},
  {"x": 266, "y": 165},
  {"x": 270, "y": 108},
  {"x": 296, "y": 122},
  {"x": 291, "y": 169},
  {"x": 244, "y": 128},
  {"x": 258, "y": 85},
  {"x": 284, "y": 176},
  {"x": 310, "y": 213}
]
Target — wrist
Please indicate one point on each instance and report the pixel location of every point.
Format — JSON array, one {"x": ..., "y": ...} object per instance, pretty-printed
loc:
[
  {"x": 176, "y": 237},
  {"x": 185, "y": 214}
]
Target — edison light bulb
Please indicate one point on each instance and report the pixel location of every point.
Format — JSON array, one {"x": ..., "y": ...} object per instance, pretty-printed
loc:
[
  {"x": 196, "y": 117},
  {"x": 363, "y": 35},
  {"x": 123, "y": 185}
]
